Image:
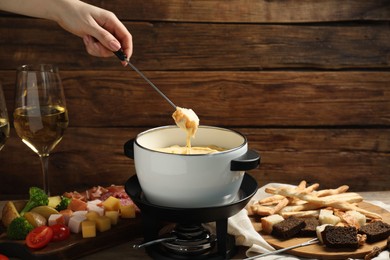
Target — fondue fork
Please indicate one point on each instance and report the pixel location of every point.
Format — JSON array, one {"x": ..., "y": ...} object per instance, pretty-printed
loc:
[
  {"x": 150, "y": 243},
  {"x": 307, "y": 243},
  {"x": 122, "y": 56}
]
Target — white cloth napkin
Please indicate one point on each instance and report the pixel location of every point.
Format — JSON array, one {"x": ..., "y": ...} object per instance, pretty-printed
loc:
[{"x": 241, "y": 227}]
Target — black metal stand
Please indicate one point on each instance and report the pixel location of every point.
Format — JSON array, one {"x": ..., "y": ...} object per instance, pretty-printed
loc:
[{"x": 153, "y": 215}]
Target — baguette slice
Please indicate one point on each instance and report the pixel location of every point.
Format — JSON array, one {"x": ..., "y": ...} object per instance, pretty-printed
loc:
[{"x": 268, "y": 222}]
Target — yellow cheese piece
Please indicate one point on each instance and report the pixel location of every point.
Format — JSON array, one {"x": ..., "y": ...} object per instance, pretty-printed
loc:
[
  {"x": 54, "y": 201},
  {"x": 88, "y": 228},
  {"x": 113, "y": 215},
  {"x": 111, "y": 203},
  {"x": 103, "y": 223},
  {"x": 127, "y": 211},
  {"x": 92, "y": 215}
]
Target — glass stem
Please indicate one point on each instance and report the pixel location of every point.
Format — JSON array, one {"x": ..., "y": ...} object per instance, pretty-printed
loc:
[{"x": 45, "y": 167}]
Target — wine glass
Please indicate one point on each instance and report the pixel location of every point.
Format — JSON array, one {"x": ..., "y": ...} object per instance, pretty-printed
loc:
[
  {"x": 4, "y": 123},
  {"x": 40, "y": 116}
]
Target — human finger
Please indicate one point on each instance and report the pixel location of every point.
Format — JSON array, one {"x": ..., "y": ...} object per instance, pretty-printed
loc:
[{"x": 95, "y": 48}]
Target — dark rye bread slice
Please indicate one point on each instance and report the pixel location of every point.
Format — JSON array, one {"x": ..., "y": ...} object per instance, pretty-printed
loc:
[
  {"x": 375, "y": 231},
  {"x": 340, "y": 237},
  {"x": 288, "y": 228},
  {"x": 309, "y": 230}
]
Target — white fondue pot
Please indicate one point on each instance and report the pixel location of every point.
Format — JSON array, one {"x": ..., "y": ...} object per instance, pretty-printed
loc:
[{"x": 191, "y": 180}]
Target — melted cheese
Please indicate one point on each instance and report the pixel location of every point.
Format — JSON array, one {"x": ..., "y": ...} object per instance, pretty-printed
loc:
[
  {"x": 187, "y": 120},
  {"x": 192, "y": 150}
]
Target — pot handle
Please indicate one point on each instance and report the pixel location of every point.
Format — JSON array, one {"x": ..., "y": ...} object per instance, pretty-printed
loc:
[
  {"x": 128, "y": 148},
  {"x": 248, "y": 161}
]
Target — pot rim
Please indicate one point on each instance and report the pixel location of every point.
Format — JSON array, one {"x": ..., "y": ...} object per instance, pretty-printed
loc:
[{"x": 245, "y": 142}]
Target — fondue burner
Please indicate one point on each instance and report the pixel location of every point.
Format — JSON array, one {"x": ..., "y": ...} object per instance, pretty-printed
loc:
[
  {"x": 178, "y": 233},
  {"x": 189, "y": 239}
]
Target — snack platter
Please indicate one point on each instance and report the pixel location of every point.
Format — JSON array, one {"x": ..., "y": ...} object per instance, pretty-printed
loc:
[
  {"x": 75, "y": 246},
  {"x": 321, "y": 252},
  {"x": 277, "y": 214},
  {"x": 74, "y": 243}
]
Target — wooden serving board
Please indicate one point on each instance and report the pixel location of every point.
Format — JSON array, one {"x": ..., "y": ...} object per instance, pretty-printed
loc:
[
  {"x": 321, "y": 252},
  {"x": 76, "y": 246}
]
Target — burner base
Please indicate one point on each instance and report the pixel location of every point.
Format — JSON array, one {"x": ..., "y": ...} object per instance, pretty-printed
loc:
[
  {"x": 153, "y": 216},
  {"x": 159, "y": 252}
]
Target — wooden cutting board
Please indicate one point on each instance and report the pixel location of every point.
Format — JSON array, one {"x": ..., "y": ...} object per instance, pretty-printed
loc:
[
  {"x": 75, "y": 246},
  {"x": 321, "y": 252}
]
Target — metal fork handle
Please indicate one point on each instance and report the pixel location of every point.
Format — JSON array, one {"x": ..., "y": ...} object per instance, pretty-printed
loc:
[
  {"x": 307, "y": 243},
  {"x": 153, "y": 242},
  {"x": 122, "y": 56}
]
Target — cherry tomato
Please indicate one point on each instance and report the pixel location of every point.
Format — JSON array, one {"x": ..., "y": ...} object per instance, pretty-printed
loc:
[
  {"x": 3, "y": 257},
  {"x": 39, "y": 237},
  {"x": 60, "y": 232}
]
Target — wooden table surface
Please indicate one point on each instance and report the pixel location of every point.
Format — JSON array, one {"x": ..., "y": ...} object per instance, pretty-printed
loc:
[{"x": 125, "y": 251}]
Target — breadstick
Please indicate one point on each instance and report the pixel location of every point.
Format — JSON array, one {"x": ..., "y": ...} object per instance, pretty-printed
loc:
[
  {"x": 350, "y": 197},
  {"x": 341, "y": 189},
  {"x": 261, "y": 210},
  {"x": 302, "y": 207},
  {"x": 325, "y": 202},
  {"x": 250, "y": 210},
  {"x": 271, "y": 200},
  {"x": 270, "y": 190},
  {"x": 304, "y": 200},
  {"x": 301, "y": 214},
  {"x": 289, "y": 192},
  {"x": 348, "y": 206},
  {"x": 301, "y": 185},
  {"x": 283, "y": 203},
  {"x": 311, "y": 188}
]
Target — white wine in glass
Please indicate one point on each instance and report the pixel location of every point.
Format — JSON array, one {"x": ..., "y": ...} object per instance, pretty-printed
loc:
[
  {"x": 4, "y": 123},
  {"x": 40, "y": 116}
]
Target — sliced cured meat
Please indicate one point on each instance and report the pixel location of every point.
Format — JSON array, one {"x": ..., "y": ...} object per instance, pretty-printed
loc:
[{"x": 77, "y": 205}]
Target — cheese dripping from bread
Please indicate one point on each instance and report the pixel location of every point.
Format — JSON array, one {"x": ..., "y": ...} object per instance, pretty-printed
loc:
[{"x": 187, "y": 120}]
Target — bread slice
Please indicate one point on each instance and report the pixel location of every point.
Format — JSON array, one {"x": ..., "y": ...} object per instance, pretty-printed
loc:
[
  {"x": 340, "y": 237},
  {"x": 310, "y": 227},
  {"x": 288, "y": 228},
  {"x": 375, "y": 231},
  {"x": 267, "y": 223}
]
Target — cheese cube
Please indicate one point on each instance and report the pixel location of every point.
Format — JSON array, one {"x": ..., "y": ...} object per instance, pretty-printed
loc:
[
  {"x": 267, "y": 223},
  {"x": 326, "y": 212},
  {"x": 111, "y": 203},
  {"x": 319, "y": 230},
  {"x": 113, "y": 215},
  {"x": 88, "y": 228},
  {"x": 75, "y": 223},
  {"x": 54, "y": 201},
  {"x": 103, "y": 223},
  {"x": 95, "y": 202},
  {"x": 326, "y": 217},
  {"x": 92, "y": 215},
  {"x": 80, "y": 213},
  {"x": 56, "y": 219},
  {"x": 94, "y": 207},
  {"x": 127, "y": 211},
  {"x": 356, "y": 217}
]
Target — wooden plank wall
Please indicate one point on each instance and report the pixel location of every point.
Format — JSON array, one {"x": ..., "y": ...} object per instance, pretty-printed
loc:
[{"x": 308, "y": 82}]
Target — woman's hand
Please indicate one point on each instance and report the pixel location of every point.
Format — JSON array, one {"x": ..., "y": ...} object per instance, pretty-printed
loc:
[{"x": 102, "y": 32}]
